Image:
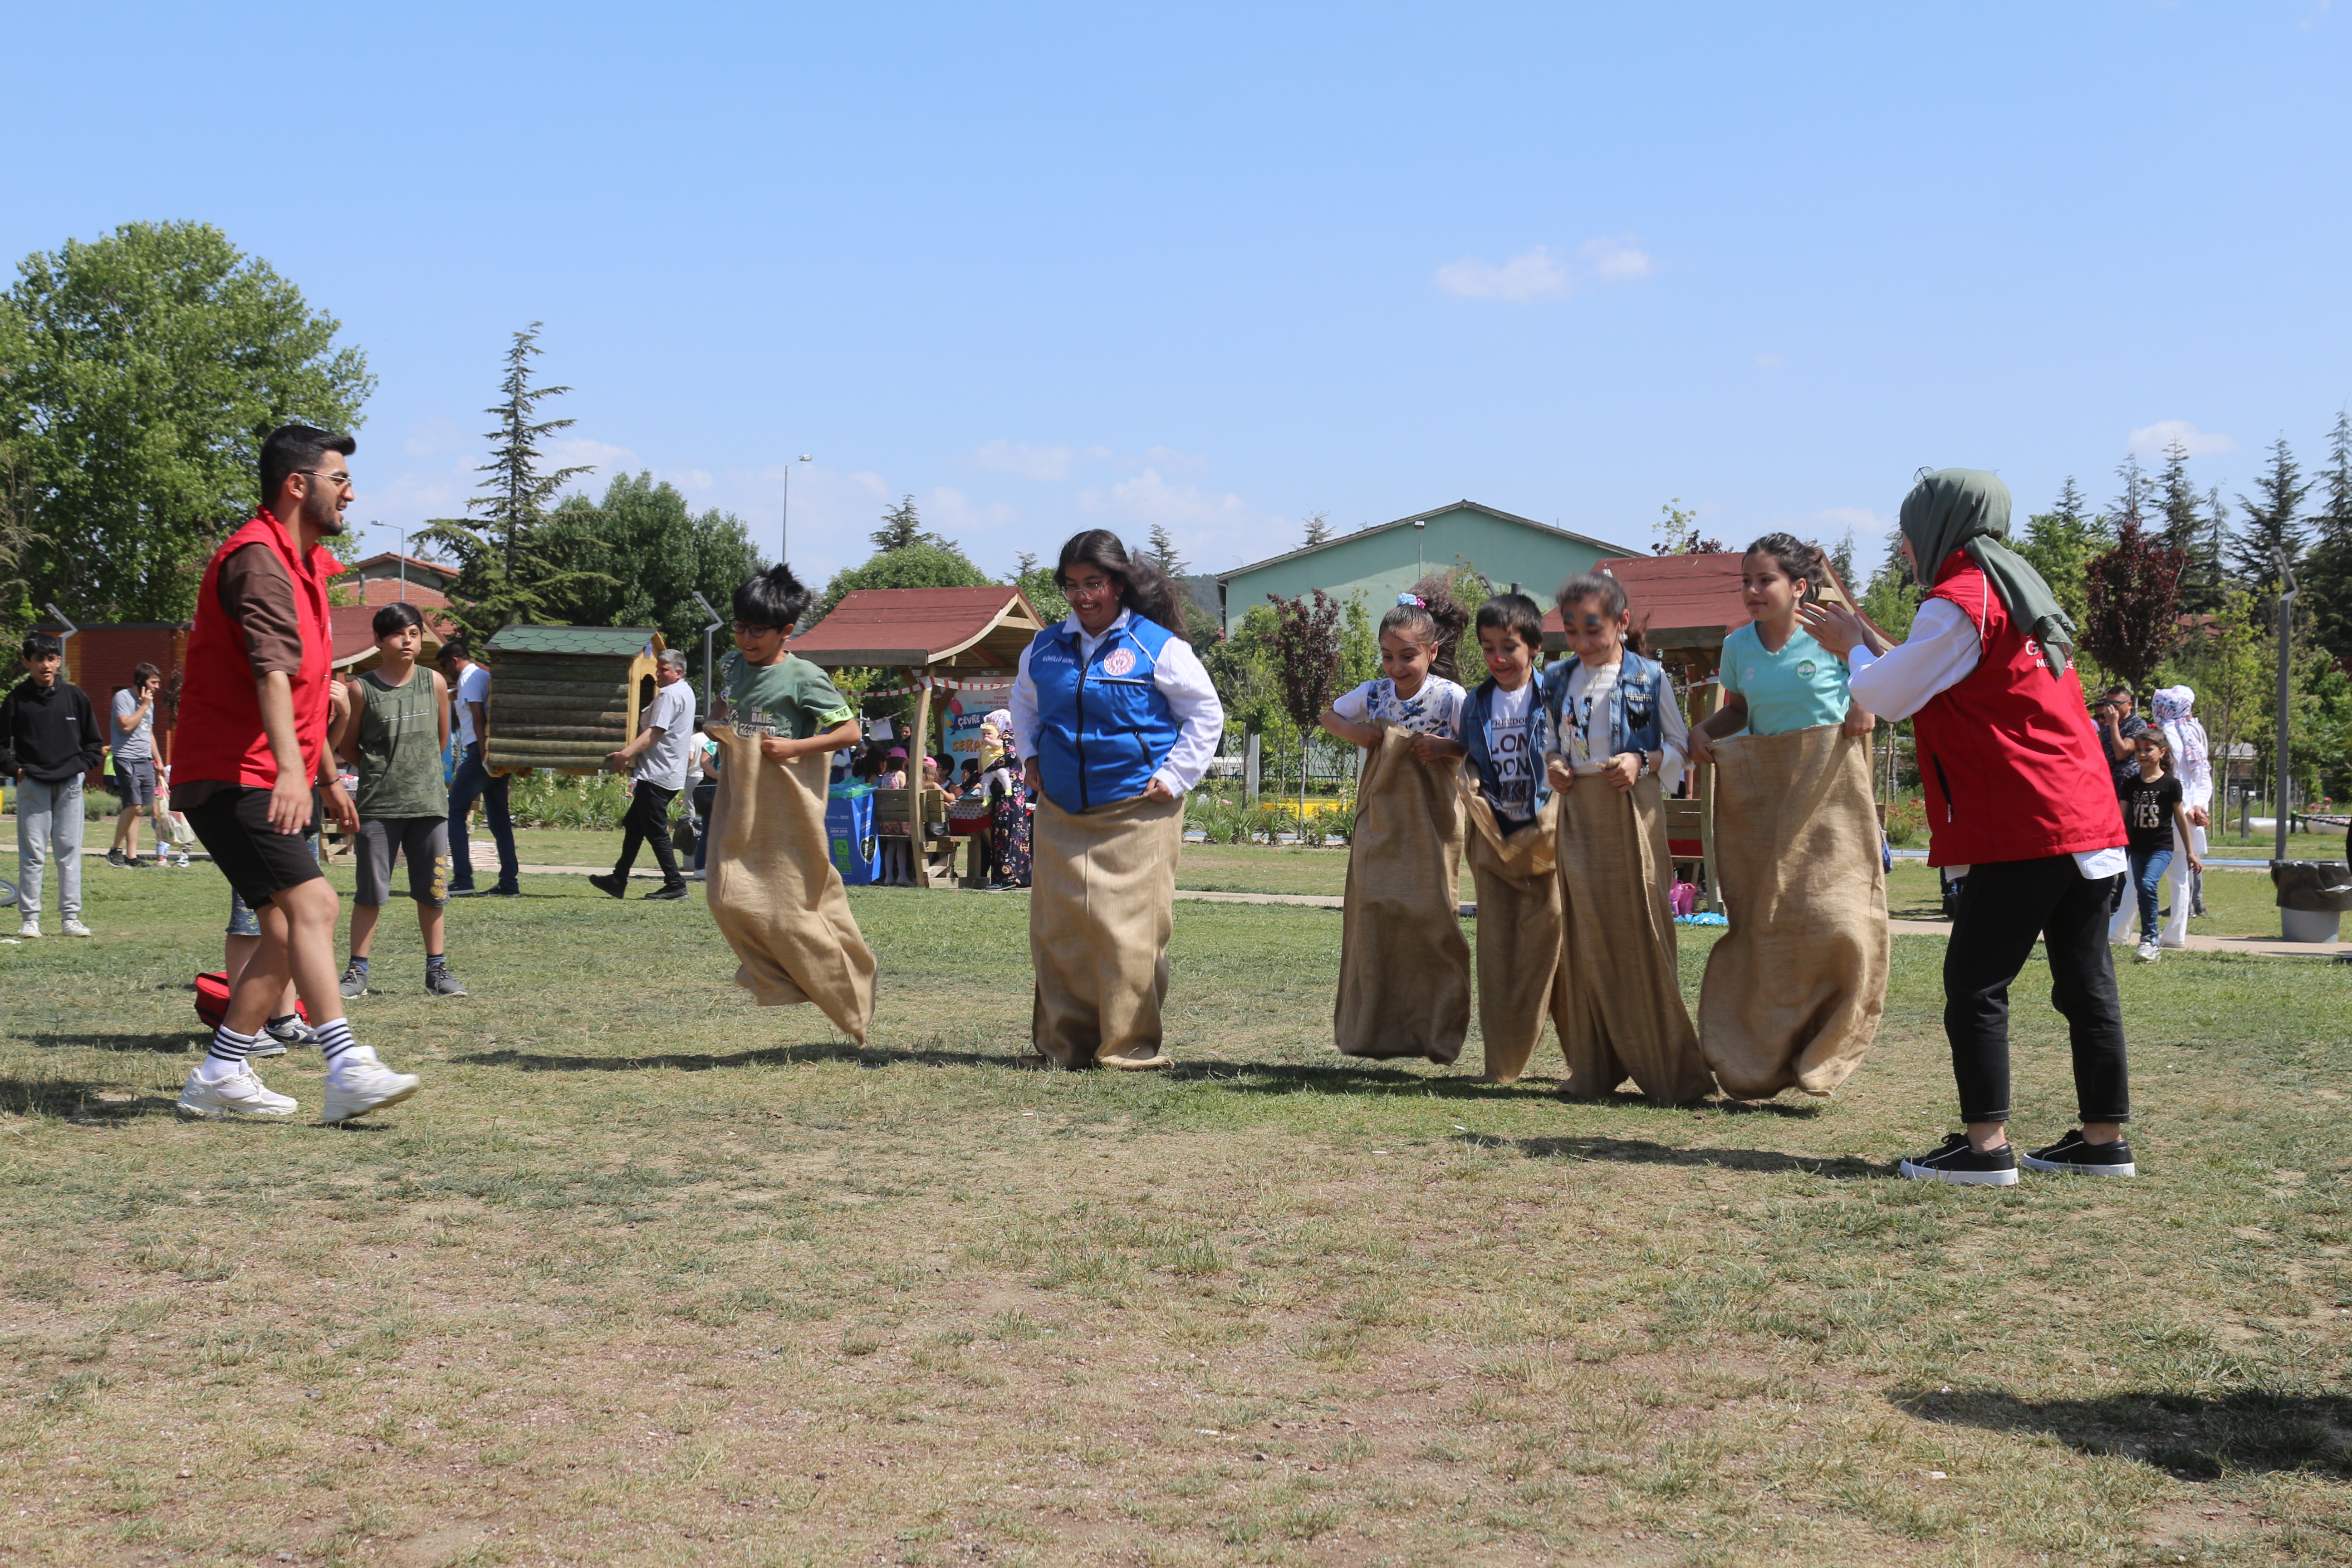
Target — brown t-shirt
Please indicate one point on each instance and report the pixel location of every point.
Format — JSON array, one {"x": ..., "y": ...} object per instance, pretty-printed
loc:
[{"x": 258, "y": 596}]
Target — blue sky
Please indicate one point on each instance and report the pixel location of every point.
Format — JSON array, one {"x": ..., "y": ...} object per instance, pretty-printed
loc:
[{"x": 1221, "y": 267}]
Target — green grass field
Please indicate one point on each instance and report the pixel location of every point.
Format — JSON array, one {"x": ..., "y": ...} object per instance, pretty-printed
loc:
[{"x": 649, "y": 1275}]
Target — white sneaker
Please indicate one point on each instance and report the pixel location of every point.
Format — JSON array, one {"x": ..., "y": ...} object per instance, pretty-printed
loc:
[
  {"x": 240, "y": 1094},
  {"x": 75, "y": 928},
  {"x": 357, "y": 1083},
  {"x": 30, "y": 930},
  {"x": 2148, "y": 952}
]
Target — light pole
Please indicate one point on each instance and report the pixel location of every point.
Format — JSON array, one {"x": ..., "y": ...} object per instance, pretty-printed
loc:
[
  {"x": 2285, "y": 688},
  {"x": 784, "y": 534}
]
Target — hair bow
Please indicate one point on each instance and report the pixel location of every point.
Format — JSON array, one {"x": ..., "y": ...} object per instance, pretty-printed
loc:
[{"x": 1415, "y": 600}]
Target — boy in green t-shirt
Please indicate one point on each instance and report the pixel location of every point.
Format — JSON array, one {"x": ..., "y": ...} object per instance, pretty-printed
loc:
[{"x": 789, "y": 703}]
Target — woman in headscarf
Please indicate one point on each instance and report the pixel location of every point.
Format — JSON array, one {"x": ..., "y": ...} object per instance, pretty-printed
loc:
[
  {"x": 999, "y": 775},
  {"x": 1116, "y": 721},
  {"x": 2018, "y": 792},
  {"x": 2192, "y": 761}
]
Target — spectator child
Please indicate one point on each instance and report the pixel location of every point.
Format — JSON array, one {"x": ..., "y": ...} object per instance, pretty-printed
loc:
[
  {"x": 132, "y": 741},
  {"x": 2193, "y": 764},
  {"x": 1502, "y": 728},
  {"x": 394, "y": 730},
  {"x": 2155, "y": 808},
  {"x": 1618, "y": 737},
  {"x": 50, "y": 739},
  {"x": 1404, "y": 968}
]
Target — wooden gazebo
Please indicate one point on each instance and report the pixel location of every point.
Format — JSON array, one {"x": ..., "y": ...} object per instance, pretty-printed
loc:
[
  {"x": 1685, "y": 606},
  {"x": 933, "y": 638},
  {"x": 562, "y": 697}
]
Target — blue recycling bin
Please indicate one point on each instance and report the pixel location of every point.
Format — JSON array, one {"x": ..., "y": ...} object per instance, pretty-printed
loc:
[{"x": 849, "y": 830}]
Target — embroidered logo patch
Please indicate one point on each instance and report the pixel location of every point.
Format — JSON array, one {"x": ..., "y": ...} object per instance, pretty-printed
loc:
[
  {"x": 1807, "y": 668},
  {"x": 1119, "y": 661}
]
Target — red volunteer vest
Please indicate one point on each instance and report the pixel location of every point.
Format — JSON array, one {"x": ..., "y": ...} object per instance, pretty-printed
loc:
[
  {"x": 2011, "y": 762},
  {"x": 219, "y": 734}
]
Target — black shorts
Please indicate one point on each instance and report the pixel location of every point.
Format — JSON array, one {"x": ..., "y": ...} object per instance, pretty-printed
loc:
[{"x": 258, "y": 859}]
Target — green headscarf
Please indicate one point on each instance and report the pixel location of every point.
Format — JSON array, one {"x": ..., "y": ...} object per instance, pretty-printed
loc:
[{"x": 1968, "y": 509}]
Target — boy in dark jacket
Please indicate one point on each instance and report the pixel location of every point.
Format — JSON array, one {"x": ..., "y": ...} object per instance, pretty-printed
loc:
[{"x": 49, "y": 738}]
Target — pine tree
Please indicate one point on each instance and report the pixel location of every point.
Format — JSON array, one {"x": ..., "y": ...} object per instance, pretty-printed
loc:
[
  {"x": 2184, "y": 530},
  {"x": 1163, "y": 551},
  {"x": 902, "y": 525},
  {"x": 2271, "y": 528},
  {"x": 2059, "y": 542},
  {"x": 1318, "y": 529},
  {"x": 508, "y": 569},
  {"x": 2130, "y": 507},
  {"x": 1841, "y": 561},
  {"x": 2213, "y": 554},
  {"x": 2329, "y": 571}
]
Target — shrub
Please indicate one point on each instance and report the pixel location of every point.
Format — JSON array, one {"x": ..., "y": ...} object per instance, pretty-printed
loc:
[
  {"x": 1907, "y": 821},
  {"x": 595, "y": 802}
]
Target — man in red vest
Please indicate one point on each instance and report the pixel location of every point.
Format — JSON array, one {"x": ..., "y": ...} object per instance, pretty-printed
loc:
[
  {"x": 2018, "y": 797},
  {"x": 249, "y": 749}
]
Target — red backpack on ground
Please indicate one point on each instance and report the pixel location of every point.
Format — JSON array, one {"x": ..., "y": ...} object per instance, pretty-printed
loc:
[{"x": 212, "y": 1000}]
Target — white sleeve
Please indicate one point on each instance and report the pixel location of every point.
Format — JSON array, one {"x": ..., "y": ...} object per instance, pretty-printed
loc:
[
  {"x": 1675, "y": 734},
  {"x": 1941, "y": 650},
  {"x": 1192, "y": 696},
  {"x": 1023, "y": 706},
  {"x": 2196, "y": 783},
  {"x": 1356, "y": 706}
]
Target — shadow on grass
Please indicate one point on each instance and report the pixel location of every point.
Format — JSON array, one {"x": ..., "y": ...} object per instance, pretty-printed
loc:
[
  {"x": 1641, "y": 1152},
  {"x": 2187, "y": 1434},
  {"x": 78, "y": 1100},
  {"x": 170, "y": 1043}
]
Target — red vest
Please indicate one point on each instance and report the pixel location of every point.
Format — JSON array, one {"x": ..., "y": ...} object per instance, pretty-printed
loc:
[
  {"x": 2010, "y": 759},
  {"x": 220, "y": 735}
]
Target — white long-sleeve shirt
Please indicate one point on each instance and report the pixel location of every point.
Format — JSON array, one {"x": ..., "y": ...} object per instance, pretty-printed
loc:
[
  {"x": 1940, "y": 652},
  {"x": 1179, "y": 678}
]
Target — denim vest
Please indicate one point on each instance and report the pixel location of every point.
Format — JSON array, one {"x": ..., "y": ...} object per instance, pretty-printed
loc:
[
  {"x": 1478, "y": 739},
  {"x": 1637, "y": 715},
  {"x": 1103, "y": 728}
]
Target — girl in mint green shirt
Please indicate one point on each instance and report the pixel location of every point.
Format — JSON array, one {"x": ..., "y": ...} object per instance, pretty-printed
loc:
[{"x": 1775, "y": 676}]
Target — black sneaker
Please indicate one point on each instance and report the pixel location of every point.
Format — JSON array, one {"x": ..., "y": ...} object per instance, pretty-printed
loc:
[
  {"x": 467, "y": 891},
  {"x": 1956, "y": 1161},
  {"x": 439, "y": 982},
  {"x": 2072, "y": 1156},
  {"x": 667, "y": 891},
  {"x": 503, "y": 890},
  {"x": 610, "y": 883},
  {"x": 114, "y": 857}
]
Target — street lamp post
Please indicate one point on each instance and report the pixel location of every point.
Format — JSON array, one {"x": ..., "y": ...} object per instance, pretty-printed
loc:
[
  {"x": 2285, "y": 780},
  {"x": 784, "y": 534}
]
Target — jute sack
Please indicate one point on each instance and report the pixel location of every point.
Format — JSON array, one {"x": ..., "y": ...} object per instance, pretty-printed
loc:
[
  {"x": 1797, "y": 984},
  {"x": 1404, "y": 968},
  {"x": 1626, "y": 1016},
  {"x": 1521, "y": 980},
  {"x": 1102, "y": 901},
  {"x": 773, "y": 891}
]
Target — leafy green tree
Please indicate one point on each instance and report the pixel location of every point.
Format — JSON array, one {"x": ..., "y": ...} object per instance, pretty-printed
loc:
[
  {"x": 2271, "y": 528},
  {"x": 2328, "y": 573},
  {"x": 1842, "y": 560},
  {"x": 902, "y": 526},
  {"x": 2227, "y": 662},
  {"x": 2133, "y": 619},
  {"x": 1892, "y": 599},
  {"x": 2060, "y": 543},
  {"x": 918, "y": 565},
  {"x": 509, "y": 568},
  {"x": 2183, "y": 528},
  {"x": 1036, "y": 583},
  {"x": 139, "y": 374},
  {"x": 1677, "y": 531},
  {"x": 1305, "y": 648},
  {"x": 654, "y": 554}
]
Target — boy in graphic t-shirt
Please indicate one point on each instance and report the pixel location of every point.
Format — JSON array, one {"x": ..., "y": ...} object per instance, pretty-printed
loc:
[{"x": 2153, "y": 808}]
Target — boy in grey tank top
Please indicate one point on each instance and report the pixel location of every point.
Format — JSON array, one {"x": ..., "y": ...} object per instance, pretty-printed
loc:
[{"x": 394, "y": 733}]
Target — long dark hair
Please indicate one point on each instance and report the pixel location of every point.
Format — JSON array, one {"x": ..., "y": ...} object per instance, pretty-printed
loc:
[{"x": 1143, "y": 587}]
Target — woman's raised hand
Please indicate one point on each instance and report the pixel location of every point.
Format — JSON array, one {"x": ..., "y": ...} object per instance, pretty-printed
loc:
[{"x": 1834, "y": 626}]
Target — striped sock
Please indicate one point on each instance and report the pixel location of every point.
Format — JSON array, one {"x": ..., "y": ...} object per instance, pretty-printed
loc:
[
  {"x": 226, "y": 1056},
  {"x": 335, "y": 1038}
]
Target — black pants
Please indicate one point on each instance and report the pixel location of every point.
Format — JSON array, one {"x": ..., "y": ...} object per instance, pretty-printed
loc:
[
  {"x": 648, "y": 819},
  {"x": 2003, "y": 907}
]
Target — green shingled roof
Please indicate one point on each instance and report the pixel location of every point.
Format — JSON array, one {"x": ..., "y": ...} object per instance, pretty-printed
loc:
[{"x": 614, "y": 642}]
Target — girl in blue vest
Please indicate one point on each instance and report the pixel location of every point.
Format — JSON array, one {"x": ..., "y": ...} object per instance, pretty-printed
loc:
[
  {"x": 1618, "y": 735},
  {"x": 1116, "y": 721},
  {"x": 1404, "y": 970}
]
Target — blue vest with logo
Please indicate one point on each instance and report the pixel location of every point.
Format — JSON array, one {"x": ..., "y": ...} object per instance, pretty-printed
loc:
[
  {"x": 1103, "y": 730},
  {"x": 1636, "y": 721}
]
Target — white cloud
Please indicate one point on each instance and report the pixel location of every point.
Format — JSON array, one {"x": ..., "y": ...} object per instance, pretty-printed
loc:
[
  {"x": 2150, "y": 440},
  {"x": 582, "y": 451},
  {"x": 1615, "y": 260},
  {"x": 1865, "y": 523},
  {"x": 1030, "y": 462},
  {"x": 951, "y": 512},
  {"x": 1530, "y": 275},
  {"x": 1767, "y": 361}
]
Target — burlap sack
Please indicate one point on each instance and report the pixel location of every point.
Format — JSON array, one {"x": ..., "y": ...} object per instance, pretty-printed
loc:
[
  {"x": 1521, "y": 980},
  {"x": 1626, "y": 1016},
  {"x": 1102, "y": 899},
  {"x": 1797, "y": 984},
  {"x": 1404, "y": 968},
  {"x": 774, "y": 890}
]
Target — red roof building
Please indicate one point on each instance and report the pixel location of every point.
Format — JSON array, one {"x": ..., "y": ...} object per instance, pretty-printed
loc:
[
  {"x": 390, "y": 578},
  {"x": 927, "y": 630}
]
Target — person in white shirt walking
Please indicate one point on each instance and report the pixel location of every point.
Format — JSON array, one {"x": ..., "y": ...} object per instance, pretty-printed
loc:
[{"x": 656, "y": 759}]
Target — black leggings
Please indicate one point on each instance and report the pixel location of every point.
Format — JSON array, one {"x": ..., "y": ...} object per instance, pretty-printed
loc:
[{"x": 2003, "y": 907}]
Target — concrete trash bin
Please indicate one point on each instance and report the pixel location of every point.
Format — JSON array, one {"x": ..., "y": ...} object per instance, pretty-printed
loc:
[{"x": 2312, "y": 897}]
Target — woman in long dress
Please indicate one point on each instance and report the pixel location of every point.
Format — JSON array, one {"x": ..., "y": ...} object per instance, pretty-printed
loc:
[{"x": 1116, "y": 721}]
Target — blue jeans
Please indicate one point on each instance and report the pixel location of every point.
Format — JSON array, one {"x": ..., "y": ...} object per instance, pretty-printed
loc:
[
  {"x": 2147, "y": 868},
  {"x": 473, "y": 781}
]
